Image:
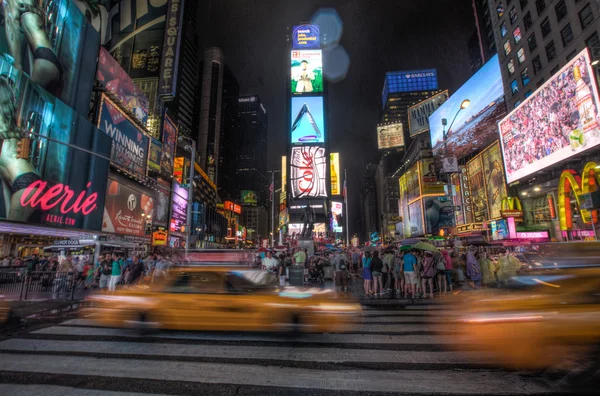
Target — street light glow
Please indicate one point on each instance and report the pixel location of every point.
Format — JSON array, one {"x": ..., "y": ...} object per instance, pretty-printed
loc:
[{"x": 465, "y": 103}]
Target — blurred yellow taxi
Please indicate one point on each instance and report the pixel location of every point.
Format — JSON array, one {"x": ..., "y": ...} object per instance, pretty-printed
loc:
[
  {"x": 222, "y": 299},
  {"x": 5, "y": 311},
  {"x": 553, "y": 318}
]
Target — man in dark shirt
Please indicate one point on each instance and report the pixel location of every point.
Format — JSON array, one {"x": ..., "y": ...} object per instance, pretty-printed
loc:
[{"x": 376, "y": 269}]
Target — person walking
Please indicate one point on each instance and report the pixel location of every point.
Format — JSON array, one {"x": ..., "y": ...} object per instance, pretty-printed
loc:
[
  {"x": 398, "y": 272},
  {"x": 376, "y": 269},
  {"x": 427, "y": 274},
  {"x": 508, "y": 267},
  {"x": 340, "y": 266},
  {"x": 440, "y": 271},
  {"x": 105, "y": 271},
  {"x": 409, "y": 263},
  {"x": 473, "y": 270},
  {"x": 116, "y": 272},
  {"x": 448, "y": 265},
  {"x": 366, "y": 273},
  {"x": 487, "y": 270}
]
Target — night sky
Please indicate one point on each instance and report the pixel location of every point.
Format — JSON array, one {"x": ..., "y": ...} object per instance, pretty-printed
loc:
[{"x": 379, "y": 36}]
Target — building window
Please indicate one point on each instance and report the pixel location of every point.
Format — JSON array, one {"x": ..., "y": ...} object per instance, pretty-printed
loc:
[
  {"x": 593, "y": 41},
  {"x": 517, "y": 103},
  {"x": 521, "y": 55},
  {"x": 545, "y": 27},
  {"x": 514, "y": 86},
  {"x": 585, "y": 16},
  {"x": 511, "y": 66},
  {"x": 507, "y": 47},
  {"x": 537, "y": 64},
  {"x": 571, "y": 55},
  {"x": 532, "y": 42},
  {"x": 561, "y": 10},
  {"x": 517, "y": 35},
  {"x": 500, "y": 10},
  {"x": 540, "y": 6},
  {"x": 540, "y": 83},
  {"x": 503, "y": 29},
  {"x": 512, "y": 15},
  {"x": 527, "y": 94},
  {"x": 567, "y": 34},
  {"x": 550, "y": 51},
  {"x": 525, "y": 77},
  {"x": 554, "y": 70},
  {"x": 527, "y": 21},
  {"x": 523, "y": 4}
]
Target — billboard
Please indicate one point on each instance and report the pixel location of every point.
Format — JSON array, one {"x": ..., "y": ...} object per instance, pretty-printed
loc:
[
  {"x": 308, "y": 122},
  {"x": 439, "y": 213},
  {"x": 249, "y": 198},
  {"x": 283, "y": 195},
  {"x": 557, "y": 122},
  {"x": 418, "y": 115},
  {"x": 415, "y": 219},
  {"x": 429, "y": 178},
  {"x": 160, "y": 216},
  {"x": 52, "y": 42},
  {"x": 126, "y": 210},
  {"x": 307, "y": 71},
  {"x": 413, "y": 186},
  {"x": 178, "y": 165},
  {"x": 308, "y": 172},
  {"x": 334, "y": 173},
  {"x": 129, "y": 144},
  {"x": 44, "y": 181},
  {"x": 409, "y": 81},
  {"x": 479, "y": 203},
  {"x": 111, "y": 76},
  {"x": 474, "y": 127},
  {"x": 494, "y": 177},
  {"x": 169, "y": 141},
  {"x": 337, "y": 212},
  {"x": 179, "y": 203},
  {"x": 390, "y": 136},
  {"x": 167, "y": 84},
  {"x": 306, "y": 37},
  {"x": 155, "y": 156}
]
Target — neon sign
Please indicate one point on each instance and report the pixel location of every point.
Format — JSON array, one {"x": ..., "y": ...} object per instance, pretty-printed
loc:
[
  {"x": 36, "y": 195},
  {"x": 308, "y": 172},
  {"x": 511, "y": 207},
  {"x": 571, "y": 183}
]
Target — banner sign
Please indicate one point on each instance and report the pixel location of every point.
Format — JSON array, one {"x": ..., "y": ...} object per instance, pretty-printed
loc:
[
  {"x": 418, "y": 115},
  {"x": 170, "y": 57},
  {"x": 334, "y": 173},
  {"x": 179, "y": 208},
  {"x": 159, "y": 237},
  {"x": 308, "y": 172},
  {"x": 111, "y": 76},
  {"x": 283, "y": 195},
  {"x": 494, "y": 179},
  {"x": 249, "y": 198},
  {"x": 390, "y": 136},
  {"x": 429, "y": 178},
  {"x": 126, "y": 210},
  {"x": 44, "y": 180},
  {"x": 337, "y": 210},
  {"x": 129, "y": 144},
  {"x": 155, "y": 157},
  {"x": 306, "y": 37},
  {"x": 160, "y": 216},
  {"x": 479, "y": 202},
  {"x": 471, "y": 227}
]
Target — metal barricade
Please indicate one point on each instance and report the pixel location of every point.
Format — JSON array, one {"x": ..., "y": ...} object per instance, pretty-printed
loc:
[
  {"x": 41, "y": 285},
  {"x": 11, "y": 283}
]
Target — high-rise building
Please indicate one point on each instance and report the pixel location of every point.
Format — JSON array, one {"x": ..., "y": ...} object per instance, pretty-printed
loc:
[
  {"x": 371, "y": 222},
  {"x": 484, "y": 31},
  {"x": 538, "y": 37},
  {"x": 256, "y": 221},
  {"x": 229, "y": 139},
  {"x": 475, "y": 53}
]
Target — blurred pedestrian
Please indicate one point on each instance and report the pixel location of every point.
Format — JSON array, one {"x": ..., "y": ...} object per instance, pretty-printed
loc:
[
  {"x": 398, "y": 272},
  {"x": 366, "y": 273},
  {"x": 448, "y": 267},
  {"x": 116, "y": 272},
  {"x": 487, "y": 270},
  {"x": 409, "y": 262},
  {"x": 427, "y": 274},
  {"x": 340, "y": 266},
  {"x": 376, "y": 269},
  {"x": 473, "y": 270}
]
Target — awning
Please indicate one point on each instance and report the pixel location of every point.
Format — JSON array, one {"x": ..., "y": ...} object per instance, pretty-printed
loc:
[{"x": 67, "y": 247}]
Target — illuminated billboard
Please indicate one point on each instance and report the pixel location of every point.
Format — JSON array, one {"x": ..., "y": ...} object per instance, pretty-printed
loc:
[
  {"x": 167, "y": 83},
  {"x": 44, "y": 180},
  {"x": 179, "y": 208},
  {"x": 53, "y": 44},
  {"x": 307, "y": 71},
  {"x": 283, "y": 195},
  {"x": 129, "y": 144},
  {"x": 169, "y": 141},
  {"x": 557, "y": 122},
  {"x": 308, "y": 122},
  {"x": 249, "y": 198},
  {"x": 337, "y": 212},
  {"x": 308, "y": 172},
  {"x": 418, "y": 115},
  {"x": 306, "y": 37},
  {"x": 126, "y": 209},
  {"x": 390, "y": 136},
  {"x": 334, "y": 173},
  {"x": 155, "y": 155},
  {"x": 494, "y": 179},
  {"x": 474, "y": 127},
  {"x": 415, "y": 219},
  {"x": 439, "y": 213},
  {"x": 479, "y": 202},
  {"x": 160, "y": 216},
  {"x": 409, "y": 81},
  {"x": 111, "y": 76}
]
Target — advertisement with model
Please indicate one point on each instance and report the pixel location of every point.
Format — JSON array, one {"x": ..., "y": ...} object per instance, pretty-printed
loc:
[
  {"x": 558, "y": 121},
  {"x": 52, "y": 42},
  {"x": 307, "y": 72},
  {"x": 479, "y": 202},
  {"x": 127, "y": 209},
  {"x": 390, "y": 136},
  {"x": 474, "y": 127},
  {"x": 179, "y": 205},
  {"x": 337, "y": 210},
  {"x": 169, "y": 143},
  {"x": 439, "y": 213},
  {"x": 308, "y": 172},
  {"x": 418, "y": 115},
  {"x": 494, "y": 179},
  {"x": 40, "y": 184},
  {"x": 129, "y": 143},
  {"x": 160, "y": 216},
  {"x": 308, "y": 122}
]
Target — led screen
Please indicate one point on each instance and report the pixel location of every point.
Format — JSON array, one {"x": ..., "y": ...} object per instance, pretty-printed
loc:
[
  {"x": 306, "y": 37},
  {"x": 474, "y": 127},
  {"x": 415, "y": 219},
  {"x": 308, "y": 172},
  {"x": 334, "y": 172},
  {"x": 307, "y": 71},
  {"x": 558, "y": 121},
  {"x": 155, "y": 156},
  {"x": 169, "y": 141},
  {"x": 179, "y": 208},
  {"x": 337, "y": 211},
  {"x": 249, "y": 197},
  {"x": 126, "y": 209},
  {"x": 479, "y": 202},
  {"x": 53, "y": 44},
  {"x": 308, "y": 125},
  {"x": 418, "y": 115},
  {"x": 409, "y": 81},
  {"x": 390, "y": 136},
  {"x": 51, "y": 183},
  {"x": 439, "y": 213}
]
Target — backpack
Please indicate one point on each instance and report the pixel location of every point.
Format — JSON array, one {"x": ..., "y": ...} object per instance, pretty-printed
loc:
[
  {"x": 342, "y": 265},
  {"x": 427, "y": 269}
]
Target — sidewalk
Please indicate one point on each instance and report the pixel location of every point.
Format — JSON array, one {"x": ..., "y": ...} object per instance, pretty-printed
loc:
[{"x": 33, "y": 308}]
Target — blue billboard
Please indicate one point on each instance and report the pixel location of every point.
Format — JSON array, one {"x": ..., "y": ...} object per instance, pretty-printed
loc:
[
  {"x": 306, "y": 37},
  {"x": 308, "y": 121},
  {"x": 409, "y": 81}
]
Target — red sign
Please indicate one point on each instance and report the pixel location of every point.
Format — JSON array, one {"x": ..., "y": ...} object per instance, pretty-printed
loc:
[
  {"x": 237, "y": 209},
  {"x": 126, "y": 211},
  {"x": 228, "y": 205}
]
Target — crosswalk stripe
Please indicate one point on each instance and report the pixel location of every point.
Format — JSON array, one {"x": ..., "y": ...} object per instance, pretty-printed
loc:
[
  {"x": 421, "y": 382},
  {"x": 53, "y": 390}
]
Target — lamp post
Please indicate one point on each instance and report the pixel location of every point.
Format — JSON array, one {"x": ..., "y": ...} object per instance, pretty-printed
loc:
[
  {"x": 191, "y": 147},
  {"x": 272, "y": 195}
]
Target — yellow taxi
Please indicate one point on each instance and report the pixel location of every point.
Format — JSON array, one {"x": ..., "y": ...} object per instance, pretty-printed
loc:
[
  {"x": 5, "y": 311},
  {"x": 221, "y": 299},
  {"x": 553, "y": 319}
]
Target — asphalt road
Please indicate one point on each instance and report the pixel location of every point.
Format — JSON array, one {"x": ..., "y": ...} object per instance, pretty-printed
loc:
[{"x": 395, "y": 350}]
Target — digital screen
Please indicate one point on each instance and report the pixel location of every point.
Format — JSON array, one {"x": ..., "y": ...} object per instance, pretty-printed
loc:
[
  {"x": 390, "y": 136},
  {"x": 479, "y": 202},
  {"x": 129, "y": 144},
  {"x": 499, "y": 230},
  {"x": 337, "y": 212},
  {"x": 155, "y": 156},
  {"x": 249, "y": 198},
  {"x": 283, "y": 195},
  {"x": 111, "y": 76},
  {"x": 494, "y": 179},
  {"x": 126, "y": 209},
  {"x": 52, "y": 183},
  {"x": 306, "y": 37},
  {"x": 415, "y": 219},
  {"x": 57, "y": 55},
  {"x": 558, "y": 121},
  {"x": 418, "y": 115},
  {"x": 307, "y": 71},
  {"x": 169, "y": 141},
  {"x": 334, "y": 172},
  {"x": 179, "y": 208},
  {"x": 439, "y": 213},
  {"x": 160, "y": 216},
  {"x": 308, "y": 125},
  {"x": 308, "y": 172},
  {"x": 409, "y": 81},
  {"x": 474, "y": 127}
]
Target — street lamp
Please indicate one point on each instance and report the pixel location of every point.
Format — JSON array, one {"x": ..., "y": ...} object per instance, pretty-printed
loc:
[
  {"x": 465, "y": 103},
  {"x": 191, "y": 147}
]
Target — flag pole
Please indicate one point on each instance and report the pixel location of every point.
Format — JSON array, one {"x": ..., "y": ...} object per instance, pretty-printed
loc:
[{"x": 347, "y": 212}]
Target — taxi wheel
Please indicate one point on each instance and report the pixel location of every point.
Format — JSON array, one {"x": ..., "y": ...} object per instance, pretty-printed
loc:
[
  {"x": 143, "y": 325},
  {"x": 294, "y": 327}
]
